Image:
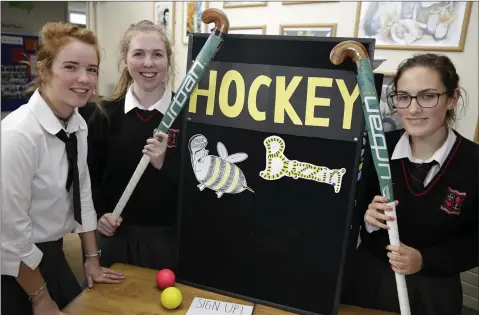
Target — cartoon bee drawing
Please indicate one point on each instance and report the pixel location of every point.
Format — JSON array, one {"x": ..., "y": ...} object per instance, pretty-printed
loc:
[{"x": 219, "y": 174}]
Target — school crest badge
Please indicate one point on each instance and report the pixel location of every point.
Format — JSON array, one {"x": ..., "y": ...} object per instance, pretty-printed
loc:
[
  {"x": 173, "y": 135},
  {"x": 453, "y": 202}
]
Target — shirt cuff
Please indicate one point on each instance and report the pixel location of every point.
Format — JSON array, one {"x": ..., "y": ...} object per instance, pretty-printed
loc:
[
  {"x": 89, "y": 223},
  {"x": 11, "y": 262},
  {"x": 370, "y": 228}
]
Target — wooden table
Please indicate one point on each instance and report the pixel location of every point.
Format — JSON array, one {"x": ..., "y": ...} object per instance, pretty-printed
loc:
[{"x": 139, "y": 295}]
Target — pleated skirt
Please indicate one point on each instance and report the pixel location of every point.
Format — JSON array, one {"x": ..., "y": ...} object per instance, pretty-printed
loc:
[
  {"x": 153, "y": 247},
  {"x": 61, "y": 282},
  {"x": 374, "y": 286}
]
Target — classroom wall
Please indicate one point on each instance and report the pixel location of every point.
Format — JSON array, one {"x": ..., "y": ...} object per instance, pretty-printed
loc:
[{"x": 30, "y": 20}]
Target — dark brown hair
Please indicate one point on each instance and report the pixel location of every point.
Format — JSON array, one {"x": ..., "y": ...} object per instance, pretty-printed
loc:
[
  {"x": 54, "y": 36},
  {"x": 444, "y": 67},
  {"x": 125, "y": 78}
]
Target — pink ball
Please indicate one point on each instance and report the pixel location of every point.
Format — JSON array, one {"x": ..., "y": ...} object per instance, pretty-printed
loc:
[{"x": 165, "y": 278}]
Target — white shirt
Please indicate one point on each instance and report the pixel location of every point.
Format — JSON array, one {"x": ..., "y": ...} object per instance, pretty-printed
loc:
[
  {"x": 36, "y": 206},
  {"x": 161, "y": 105},
  {"x": 403, "y": 150}
]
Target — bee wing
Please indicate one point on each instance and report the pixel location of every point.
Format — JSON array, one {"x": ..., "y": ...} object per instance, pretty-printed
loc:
[
  {"x": 236, "y": 158},
  {"x": 222, "y": 152}
]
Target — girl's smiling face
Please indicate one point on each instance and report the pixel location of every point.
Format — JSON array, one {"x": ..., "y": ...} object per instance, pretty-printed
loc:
[
  {"x": 425, "y": 84},
  {"x": 147, "y": 60},
  {"x": 73, "y": 76}
]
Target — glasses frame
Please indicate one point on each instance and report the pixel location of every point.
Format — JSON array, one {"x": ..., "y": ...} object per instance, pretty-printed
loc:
[{"x": 394, "y": 107}]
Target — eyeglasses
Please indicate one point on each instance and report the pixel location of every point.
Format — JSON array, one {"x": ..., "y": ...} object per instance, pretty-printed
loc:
[{"x": 425, "y": 100}]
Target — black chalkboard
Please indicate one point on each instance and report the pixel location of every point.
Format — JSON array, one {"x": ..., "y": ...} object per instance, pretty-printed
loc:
[{"x": 279, "y": 241}]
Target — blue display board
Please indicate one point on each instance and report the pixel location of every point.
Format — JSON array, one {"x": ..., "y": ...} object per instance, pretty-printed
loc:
[{"x": 16, "y": 75}]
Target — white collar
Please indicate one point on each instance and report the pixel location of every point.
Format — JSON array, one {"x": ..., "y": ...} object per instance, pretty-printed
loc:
[
  {"x": 403, "y": 149},
  {"x": 161, "y": 105},
  {"x": 47, "y": 119}
]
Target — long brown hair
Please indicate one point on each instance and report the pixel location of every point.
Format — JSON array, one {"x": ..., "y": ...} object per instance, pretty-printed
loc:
[{"x": 125, "y": 79}]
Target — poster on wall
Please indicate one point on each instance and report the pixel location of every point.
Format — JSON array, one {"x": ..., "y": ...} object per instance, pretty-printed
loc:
[
  {"x": 192, "y": 18},
  {"x": 250, "y": 29},
  {"x": 269, "y": 172},
  {"x": 414, "y": 25},
  {"x": 18, "y": 51},
  {"x": 321, "y": 30},
  {"x": 164, "y": 14},
  {"x": 391, "y": 120}
]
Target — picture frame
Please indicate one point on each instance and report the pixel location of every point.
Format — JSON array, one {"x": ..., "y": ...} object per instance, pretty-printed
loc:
[
  {"x": 320, "y": 30},
  {"x": 251, "y": 30},
  {"x": 476, "y": 133},
  {"x": 389, "y": 119},
  {"x": 164, "y": 14},
  {"x": 304, "y": 2},
  {"x": 244, "y": 4},
  {"x": 377, "y": 62},
  {"x": 191, "y": 22},
  {"x": 419, "y": 25}
]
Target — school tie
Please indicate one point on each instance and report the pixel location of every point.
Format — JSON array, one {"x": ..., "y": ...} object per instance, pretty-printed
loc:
[
  {"x": 73, "y": 177},
  {"x": 418, "y": 173}
]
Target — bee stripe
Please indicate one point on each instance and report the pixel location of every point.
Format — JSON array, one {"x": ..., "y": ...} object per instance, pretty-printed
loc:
[
  {"x": 219, "y": 171},
  {"x": 224, "y": 177},
  {"x": 234, "y": 182},
  {"x": 213, "y": 177},
  {"x": 241, "y": 182},
  {"x": 231, "y": 177}
]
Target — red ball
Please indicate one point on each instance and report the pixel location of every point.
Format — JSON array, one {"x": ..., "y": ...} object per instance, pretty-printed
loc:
[{"x": 165, "y": 278}]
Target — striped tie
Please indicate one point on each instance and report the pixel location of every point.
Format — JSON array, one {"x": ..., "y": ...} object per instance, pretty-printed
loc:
[{"x": 418, "y": 173}]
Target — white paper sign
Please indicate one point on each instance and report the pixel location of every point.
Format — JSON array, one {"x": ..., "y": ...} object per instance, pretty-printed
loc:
[{"x": 201, "y": 306}]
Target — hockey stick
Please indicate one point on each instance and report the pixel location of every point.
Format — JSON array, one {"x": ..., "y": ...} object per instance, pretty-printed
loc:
[
  {"x": 194, "y": 75},
  {"x": 377, "y": 142}
]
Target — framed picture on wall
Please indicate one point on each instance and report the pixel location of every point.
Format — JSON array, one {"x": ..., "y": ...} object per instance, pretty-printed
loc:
[
  {"x": 319, "y": 30},
  {"x": 304, "y": 2},
  {"x": 419, "y": 25},
  {"x": 244, "y": 4},
  {"x": 255, "y": 30},
  {"x": 476, "y": 133},
  {"x": 390, "y": 120},
  {"x": 377, "y": 63},
  {"x": 192, "y": 18},
  {"x": 164, "y": 15}
]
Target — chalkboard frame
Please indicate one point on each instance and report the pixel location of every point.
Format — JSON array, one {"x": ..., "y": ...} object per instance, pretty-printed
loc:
[{"x": 196, "y": 42}]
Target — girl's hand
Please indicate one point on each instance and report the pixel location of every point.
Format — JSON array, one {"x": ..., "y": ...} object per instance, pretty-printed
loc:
[
  {"x": 95, "y": 273},
  {"x": 156, "y": 150},
  {"x": 404, "y": 260},
  {"x": 375, "y": 213},
  {"x": 107, "y": 224}
]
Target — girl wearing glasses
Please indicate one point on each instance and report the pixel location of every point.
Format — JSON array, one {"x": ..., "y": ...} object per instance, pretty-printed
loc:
[{"x": 435, "y": 172}]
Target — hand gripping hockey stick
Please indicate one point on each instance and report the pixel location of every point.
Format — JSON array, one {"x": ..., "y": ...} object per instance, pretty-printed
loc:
[
  {"x": 377, "y": 141},
  {"x": 193, "y": 76}
]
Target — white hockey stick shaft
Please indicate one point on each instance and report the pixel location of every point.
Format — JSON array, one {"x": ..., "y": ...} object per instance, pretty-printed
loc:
[{"x": 135, "y": 178}]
